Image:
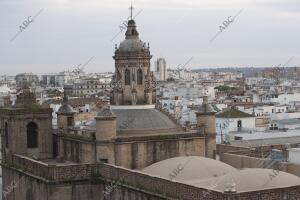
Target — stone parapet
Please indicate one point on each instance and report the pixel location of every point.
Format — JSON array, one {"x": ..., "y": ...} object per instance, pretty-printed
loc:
[{"x": 136, "y": 180}]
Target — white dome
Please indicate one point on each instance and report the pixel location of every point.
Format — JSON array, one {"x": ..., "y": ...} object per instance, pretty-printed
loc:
[
  {"x": 215, "y": 175},
  {"x": 246, "y": 180},
  {"x": 193, "y": 167}
]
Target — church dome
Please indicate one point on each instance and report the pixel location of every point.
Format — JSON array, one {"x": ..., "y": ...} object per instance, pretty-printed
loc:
[
  {"x": 218, "y": 176},
  {"x": 193, "y": 168},
  {"x": 141, "y": 119},
  {"x": 132, "y": 43}
]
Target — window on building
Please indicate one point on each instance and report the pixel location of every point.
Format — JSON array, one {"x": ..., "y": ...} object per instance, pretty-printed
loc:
[
  {"x": 127, "y": 77},
  {"x": 6, "y": 134},
  {"x": 32, "y": 135},
  {"x": 239, "y": 125},
  {"x": 139, "y": 77},
  {"x": 70, "y": 121}
]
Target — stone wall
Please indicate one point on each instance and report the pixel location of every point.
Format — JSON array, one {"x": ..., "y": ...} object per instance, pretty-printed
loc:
[
  {"x": 77, "y": 151},
  {"x": 17, "y": 120},
  {"x": 244, "y": 161},
  {"x": 90, "y": 182},
  {"x": 224, "y": 148},
  {"x": 137, "y": 155},
  {"x": 19, "y": 186},
  {"x": 135, "y": 152}
]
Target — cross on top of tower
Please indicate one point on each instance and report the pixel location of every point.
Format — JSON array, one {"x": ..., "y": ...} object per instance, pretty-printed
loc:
[{"x": 131, "y": 8}]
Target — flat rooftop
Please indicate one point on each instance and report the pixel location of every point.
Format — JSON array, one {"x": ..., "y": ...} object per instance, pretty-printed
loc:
[{"x": 267, "y": 138}]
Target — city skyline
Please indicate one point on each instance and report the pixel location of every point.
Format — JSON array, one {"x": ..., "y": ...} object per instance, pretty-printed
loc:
[{"x": 68, "y": 33}]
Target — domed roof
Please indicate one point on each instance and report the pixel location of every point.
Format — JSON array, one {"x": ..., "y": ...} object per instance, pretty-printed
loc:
[
  {"x": 66, "y": 109},
  {"x": 246, "y": 180},
  {"x": 132, "y": 42},
  {"x": 105, "y": 113},
  {"x": 215, "y": 175},
  {"x": 131, "y": 45},
  {"x": 142, "y": 119},
  {"x": 193, "y": 168}
]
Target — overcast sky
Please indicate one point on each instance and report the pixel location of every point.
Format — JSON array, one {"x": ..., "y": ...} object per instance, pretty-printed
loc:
[{"x": 67, "y": 33}]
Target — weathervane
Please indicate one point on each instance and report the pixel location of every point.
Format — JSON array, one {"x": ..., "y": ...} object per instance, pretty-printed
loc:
[{"x": 131, "y": 8}]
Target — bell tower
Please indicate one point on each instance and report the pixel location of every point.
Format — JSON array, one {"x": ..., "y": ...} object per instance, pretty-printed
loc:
[
  {"x": 133, "y": 82},
  {"x": 26, "y": 128}
]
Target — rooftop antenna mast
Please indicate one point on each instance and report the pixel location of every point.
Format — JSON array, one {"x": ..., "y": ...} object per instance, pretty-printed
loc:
[{"x": 131, "y": 8}]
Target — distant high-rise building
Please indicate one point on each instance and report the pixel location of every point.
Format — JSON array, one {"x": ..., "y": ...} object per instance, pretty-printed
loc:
[
  {"x": 28, "y": 79},
  {"x": 161, "y": 69}
]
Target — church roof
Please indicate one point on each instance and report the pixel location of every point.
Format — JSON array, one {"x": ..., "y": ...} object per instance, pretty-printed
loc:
[
  {"x": 132, "y": 42},
  {"x": 193, "y": 168},
  {"x": 138, "y": 119},
  {"x": 131, "y": 45},
  {"x": 233, "y": 113},
  {"x": 215, "y": 175},
  {"x": 142, "y": 119}
]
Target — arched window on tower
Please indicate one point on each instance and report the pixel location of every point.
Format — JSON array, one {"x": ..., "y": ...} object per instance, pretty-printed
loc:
[
  {"x": 32, "y": 135},
  {"x": 139, "y": 77},
  {"x": 127, "y": 77},
  {"x": 6, "y": 134}
]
